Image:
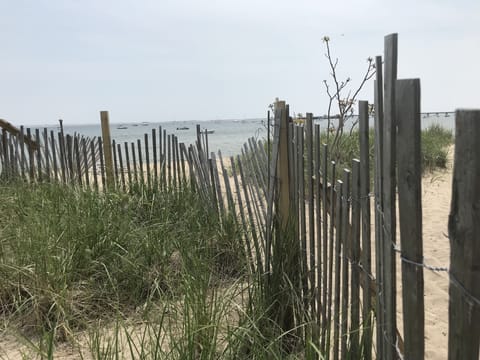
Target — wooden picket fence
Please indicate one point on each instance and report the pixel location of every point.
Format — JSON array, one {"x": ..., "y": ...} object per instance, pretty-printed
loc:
[{"x": 346, "y": 274}]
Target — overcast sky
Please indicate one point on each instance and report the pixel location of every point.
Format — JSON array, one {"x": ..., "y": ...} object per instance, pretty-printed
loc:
[{"x": 197, "y": 60}]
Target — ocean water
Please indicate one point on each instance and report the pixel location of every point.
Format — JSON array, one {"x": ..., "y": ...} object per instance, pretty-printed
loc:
[{"x": 229, "y": 135}]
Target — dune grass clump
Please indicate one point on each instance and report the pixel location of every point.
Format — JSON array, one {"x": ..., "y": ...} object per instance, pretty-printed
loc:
[
  {"x": 68, "y": 256},
  {"x": 435, "y": 142},
  {"x": 434, "y": 151}
]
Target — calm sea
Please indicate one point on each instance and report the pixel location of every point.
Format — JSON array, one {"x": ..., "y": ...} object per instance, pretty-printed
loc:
[{"x": 229, "y": 135}]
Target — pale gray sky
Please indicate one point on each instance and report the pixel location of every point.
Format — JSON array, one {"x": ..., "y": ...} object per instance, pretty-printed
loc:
[{"x": 164, "y": 60}]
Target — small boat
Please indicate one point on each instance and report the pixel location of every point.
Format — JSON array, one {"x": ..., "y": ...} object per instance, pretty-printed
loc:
[
  {"x": 208, "y": 131},
  {"x": 183, "y": 128},
  {"x": 122, "y": 127},
  {"x": 144, "y": 123}
]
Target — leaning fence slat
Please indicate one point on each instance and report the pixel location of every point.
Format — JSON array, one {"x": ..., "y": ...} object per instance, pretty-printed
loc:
[
  {"x": 134, "y": 164},
  {"x": 226, "y": 180},
  {"x": 127, "y": 161},
  {"x": 85, "y": 163},
  {"x": 22, "y": 152},
  {"x": 62, "y": 157},
  {"x": 140, "y": 162},
  {"x": 464, "y": 234},
  {"x": 183, "y": 159},
  {"x": 78, "y": 160},
  {"x": 39, "y": 154},
  {"x": 94, "y": 164},
  {"x": 409, "y": 158},
  {"x": 47, "y": 153},
  {"x": 258, "y": 254},
  {"x": 242, "y": 215},
  {"x": 216, "y": 185},
  {"x": 54, "y": 155},
  {"x": 122, "y": 170},
  {"x": 115, "y": 164},
  {"x": 69, "y": 144}
]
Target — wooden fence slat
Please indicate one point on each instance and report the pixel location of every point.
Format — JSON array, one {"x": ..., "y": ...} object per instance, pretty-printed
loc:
[
  {"x": 94, "y": 164},
  {"x": 102, "y": 163},
  {"x": 364, "y": 195},
  {"x": 134, "y": 165},
  {"x": 242, "y": 215},
  {"x": 127, "y": 161},
  {"x": 355, "y": 260},
  {"x": 47, "y": 153},
  {"x": 216, "y": 185},
  {"x": 311, "y": 211},
  {"x": 300, "y": 176},
  {"x": 226, "y": 180},
  {"x": 331, "y": 258},
  {"x": 272, "y": 184},
  {"x": 327, "y": 286},
  {"x": 54, "y": 155},
  {"x": 62, "y": 157},
  {"x": 378, "y": 184},
  {"x": 183, "y": 159},
  {"x": 464, "y": 234},
  {"x": 155, "y": 159},
  {"x": 78, "y": 160},
  {"x": 169, "y": 160},
  {"x": 70, "y": 155},
  {"x": 39, "y": 154},
  {"x": 318, "y": 229},
  {"x": 389, "y": 191},
  {"x": 85, "y": 163},
  {"x": 346, "y": 250},
  {"x": 147, "y": 162},
  {"x": 258, "y": 254},
  {"x": 22, "y": 152},
  {"x": 409, "y": 160},
  {"x": 115, "y": 164},
  {"x": 338, "y": 263},
  {"x": 122, "y": 169},
  {"x": 140, "y": 162}
]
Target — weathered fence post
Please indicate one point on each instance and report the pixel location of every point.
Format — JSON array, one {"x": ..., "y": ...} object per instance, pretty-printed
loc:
[
  {"x": 107, "y": 148},
  {"x": 389, "y": 194},
  {"x": 464, "y": 234},
  {"x": 410, "y": 211}
]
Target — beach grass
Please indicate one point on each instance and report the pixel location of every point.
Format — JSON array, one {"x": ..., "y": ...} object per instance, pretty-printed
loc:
[{"x": 141, "y": 275}]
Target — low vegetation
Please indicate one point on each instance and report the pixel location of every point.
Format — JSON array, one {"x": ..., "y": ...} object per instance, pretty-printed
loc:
[
  {"x": 435, "y": 146},
  {"x": 139, "y": 275}
]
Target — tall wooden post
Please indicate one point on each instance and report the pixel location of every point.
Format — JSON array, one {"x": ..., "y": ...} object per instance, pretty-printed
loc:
[
  {"x": 464, "y": 234},
  {"x": 107, "y": 148},
  {"x": 409, "y": 160}
]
